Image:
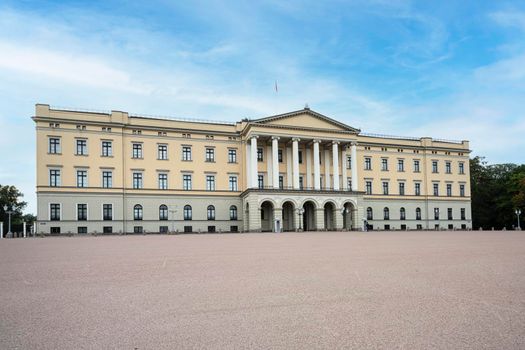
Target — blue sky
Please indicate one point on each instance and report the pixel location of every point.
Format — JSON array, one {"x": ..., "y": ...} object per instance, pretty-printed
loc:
[{"x": 446, "y": 69}]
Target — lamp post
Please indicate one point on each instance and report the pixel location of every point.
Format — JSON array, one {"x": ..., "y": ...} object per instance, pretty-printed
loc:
[
  {"x": 9, "y": 210},
  {"x": 300, "y": 211},
  {"x": 518, "y": 213}
]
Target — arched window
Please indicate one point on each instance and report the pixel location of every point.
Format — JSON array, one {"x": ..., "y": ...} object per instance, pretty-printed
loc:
[
  {"x": 418, "y": 213},
  {"x": 163, "y": 212},
  {"x": 187, "y": 212},
  {"x": 386, "y": 214},
  {"x": 369, "y": 214},
  {"x": 137, "y": 212},
  {"x": 211, "y": 212},
  {"x": 233, "y": 212},
  {"x": 402, "y": 214}
]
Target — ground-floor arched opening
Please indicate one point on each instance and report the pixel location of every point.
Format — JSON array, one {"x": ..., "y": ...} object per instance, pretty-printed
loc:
[
  {"x": 329, "y": 218},
  {"x": 288, "y": 216},
  {"x": 309, "y": 223},
  {"x": 267, "y": 216},
  {"x": 348, "y": 213}
]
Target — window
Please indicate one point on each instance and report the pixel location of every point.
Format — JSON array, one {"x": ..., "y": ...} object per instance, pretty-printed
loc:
[
  {"x": 300, "y": 157},
  {"x": 137, "y": 212},
  {"x": 210, "y": 154},
  {"x": 186, "y": 182},
  {"x": 386, "y": 214},
  {"x": 163, "y": 181},
  {"x": 416, "y": 166},
  {"x": 107, "y": 179},
  {"x": 107, "y": 229},
  {"x": 232, "y": 156},
  {"x": 385, "y": 187},
  {"x": 138, "y": 229},
  {"x": 81, "y": 147},
  {"x": 260, "y": 181},
  {"x": 163, "y": 229},
  {"x": 54, "y": 214},
  {"x": 462, "y": 190},
  {"x": 401, "y": 188},
  {"x": 82, "y": 212},
  {"x": 369, "y": 214},
  {"x": 162, "y": 151},
  {"x": 54, "y": 177},
  {"x": 259, "y": 154},
  {"x": 233, "y": 183},
  {"x": 417, "y": 189},
  {"x": 187, "y": 212},
  {"x": 210, "y": 212},
  {"x": 402, "y": 214},
  {"x": 188, "y": 229},
  {"x": 281, "y": 182},
  {"x": 54, "y": 230},
  {"x": 461, "y": 168},
  {"x": 369, "y": 187},
  {"x": 210, "y": 183},
  {"x": 137, "y": 180},
  {"x": 54, "y": 145},
  {"x": 436, "y": 189},
  {"x": 436, "y": 213},
  {"x": 211, "y": 229},
  {"x": 349, "y": 162},
  {"x": 137, "y": 150},
  {"x": 434, "y": 166},
  {"x": 387, "y": 227},
  {"x": 462, "y": 213},
  {"x": 82, "y": 178},
  {"x": 107, "y": 149},
  {"x": 418, "y": 213},
  {"x": 107, "y": 212},
  {"x": 233, "y": 212},
  {"x": 400, "y": 165},
  {"x": 280, "y": 155},
  {"x": 449, "y": 190},
  {"x": 384, "y": 164},
  {"x": 186, "y": 153},
  {"x": 449, "y": 214},
  {"x": 349, "y": 184},
  {"x": 234, "y": 228},
  {"x": 301, "y": 182},
  {"x": 448, "y": 168},
  {"x": 368, "y": 163},
  {"x": 163, "y": 212},
  {"x": 82, "y": 229}
]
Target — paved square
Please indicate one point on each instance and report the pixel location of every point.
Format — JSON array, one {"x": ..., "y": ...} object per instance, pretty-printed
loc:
[{"x": 412, "y": 290}]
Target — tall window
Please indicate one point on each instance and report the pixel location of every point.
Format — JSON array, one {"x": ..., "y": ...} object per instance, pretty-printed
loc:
[
  {"x": 260, "y": 154},
  {"x": 369, "y": 214},
  {"x": 401, "y": 188},
  {"x": 233, "y": 183},
  {"x": 281, "y": 182},
  {"x": 162, "y": 151},
  {"x": 449, "y": 190},
  {"x": 436, "y": 189},
  {"x": 233, "y": 212},
  {"x": 107, "y": 212},
  {"x": 232, "y": 156},
  {"x": 280, "y": 155},
  {"x": 349, "y": 162},
  {"x": 81, "y": 147},
  {"x": 386, "y": 214},
  {"x": 301, "y": 182},
  {"x": 462, "y": 190},
  {"x": 384, "y": 164},
  {"x": 211, "y": 212},
  {"x": 462, "y": 213},
  {"x": 107, "y": 179},
  {"x": 434, "y": 166},
  {"x": 82, "y": 212},
  {"x": 82, "y": 178},
  {"x": 186, "y": 153},
  {"x": 163, "y": 212},
  {"x": 417, "y": 189},
  {"x": 449, "y": 214},
  {"x": 54, "y": 177},
  {"x": 385, "y": 187},
  {"x": 416, "y": 166},
  {"x": 448, "y": 168},
  {"x": 137, "y": 212},
  {"x": 187, "y": 212},
  {"x": 137, "y": 180},
  {"x": 54, "y": 212},
  {"x": 368, "y": 163},
  {"x": 436, "y": 213},
  {"x": 418, "y": 213},
  {"x": 462, "y": 168},
  {"x": 54, "y": 145},
  {"x": 186, "y": 182},
  {"x": 368, "y": 187},
  {"x": 210, "y": 154},
  {"x": 400, "y": 165},
  {"x": 107, "y": 149},
  {"x": 260, "y": 181},
  {"x": 349, "y": 184},
  {"x": 137, "y": 150},
  {"x": 402, "y": 214},
  {"x": 210, "y": 183},
  {"x": 300, "y": 154},
  {"x": 163, "y": 181}
]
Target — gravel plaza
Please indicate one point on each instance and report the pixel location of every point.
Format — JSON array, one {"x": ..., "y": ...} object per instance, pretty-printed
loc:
[{"x": 320, "y": 290}]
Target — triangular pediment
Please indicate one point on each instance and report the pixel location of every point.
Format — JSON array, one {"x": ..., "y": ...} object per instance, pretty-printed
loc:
[{"x": 305, "y": 118}]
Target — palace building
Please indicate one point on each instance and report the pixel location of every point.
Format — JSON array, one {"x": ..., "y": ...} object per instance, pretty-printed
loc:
[{"x": 116, "y": 172}]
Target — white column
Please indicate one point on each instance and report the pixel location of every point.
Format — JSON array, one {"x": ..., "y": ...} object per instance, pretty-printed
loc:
[
  {"x": 289, "y": 181},
  {"x": 344, "y": 174},
  {"x": 295, "y": 157},
  {"x": 335, "y": 160},
  {"x": 248, "y": 165},
  {"x": 1, "y": 229},
  {"x": 308, "y": 167},
  {"x": 269, "y": 165},
  {"x": 275, "y": 161},
  {"x": 317, "y": 170},
  {"x": 327, "y": 182},
  {"x": 355, "y": 181},
  {"x": 253, "y": 161}
]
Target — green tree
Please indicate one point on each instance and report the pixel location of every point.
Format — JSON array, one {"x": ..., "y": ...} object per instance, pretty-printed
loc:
[{"x": 12, "y": 197}]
